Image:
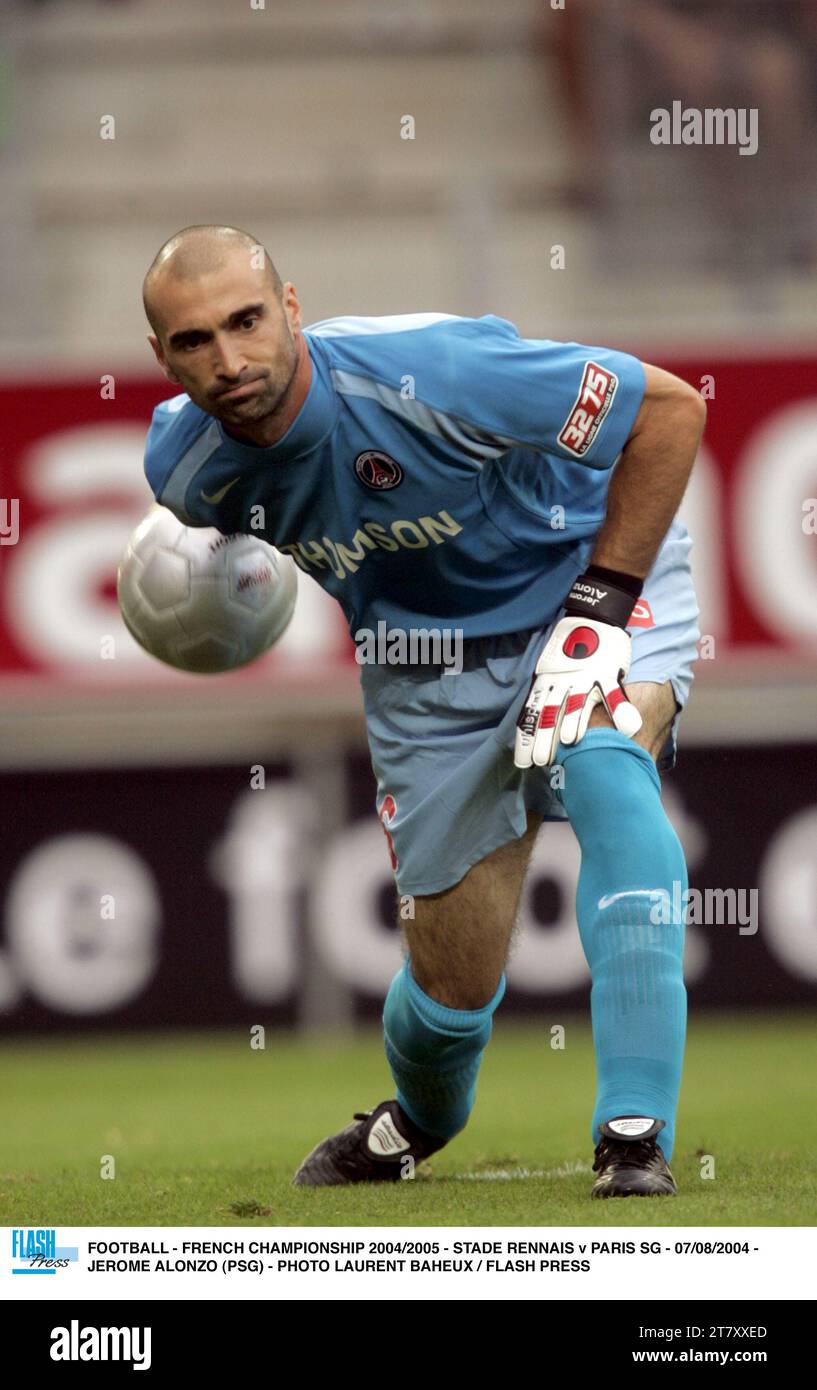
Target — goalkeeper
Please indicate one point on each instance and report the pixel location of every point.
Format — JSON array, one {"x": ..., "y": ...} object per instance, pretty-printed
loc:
[{"x": 432, "y": 471}]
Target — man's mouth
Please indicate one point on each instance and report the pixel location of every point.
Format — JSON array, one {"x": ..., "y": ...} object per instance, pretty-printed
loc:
[{"x": 236, "y": 391}]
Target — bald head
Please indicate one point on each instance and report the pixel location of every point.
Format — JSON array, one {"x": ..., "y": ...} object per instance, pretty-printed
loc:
[
  {"x": 198, "y": 251},
  {"x": 228, "y": 331}
]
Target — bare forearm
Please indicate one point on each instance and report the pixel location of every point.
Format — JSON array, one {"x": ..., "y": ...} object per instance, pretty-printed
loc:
[{"x": 649, "y": 480}]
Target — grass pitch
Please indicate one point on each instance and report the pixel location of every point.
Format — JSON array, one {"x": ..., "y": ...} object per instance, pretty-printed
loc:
[{"x": 205, "y": 1131}]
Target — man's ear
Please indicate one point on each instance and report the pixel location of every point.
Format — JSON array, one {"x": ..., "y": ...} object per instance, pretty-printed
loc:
[
  {"x": 289, "y": 297},
  {"x": 160, "y": 358}
]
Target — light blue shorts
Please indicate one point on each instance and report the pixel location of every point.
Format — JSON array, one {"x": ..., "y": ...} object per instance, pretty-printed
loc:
[{"x": 442, "y": 745}]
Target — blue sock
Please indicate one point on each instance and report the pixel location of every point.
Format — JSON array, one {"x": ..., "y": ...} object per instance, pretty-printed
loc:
[
  {"x": 434, "y": 1053},
  {"x": 634, "y": 943}
]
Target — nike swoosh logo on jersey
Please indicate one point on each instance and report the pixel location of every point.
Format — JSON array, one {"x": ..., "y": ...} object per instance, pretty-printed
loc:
[
  {"x": 222, "y": 492},
  {"x": 633, "y": 893}
]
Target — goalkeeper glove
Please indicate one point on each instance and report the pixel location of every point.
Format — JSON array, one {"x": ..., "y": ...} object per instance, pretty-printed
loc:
[{"x": 582, "y": 665}]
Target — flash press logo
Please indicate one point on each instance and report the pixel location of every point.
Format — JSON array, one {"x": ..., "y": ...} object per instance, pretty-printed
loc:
[
  {"x": 75, "y": 1343},
  {"x": 35, "y": 1251}
]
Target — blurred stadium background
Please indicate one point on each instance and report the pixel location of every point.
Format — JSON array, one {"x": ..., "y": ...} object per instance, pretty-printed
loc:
[{"x": 237, "y": 906}]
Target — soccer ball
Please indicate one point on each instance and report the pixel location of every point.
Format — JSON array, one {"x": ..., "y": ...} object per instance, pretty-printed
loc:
[{"x": 202, "y": 601}]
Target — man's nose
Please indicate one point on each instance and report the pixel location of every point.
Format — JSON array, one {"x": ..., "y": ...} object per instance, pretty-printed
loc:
[{"x": 229, "y": 360}]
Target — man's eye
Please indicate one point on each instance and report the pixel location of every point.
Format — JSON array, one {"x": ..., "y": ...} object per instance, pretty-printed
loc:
[{"x": 253, "y": 318}]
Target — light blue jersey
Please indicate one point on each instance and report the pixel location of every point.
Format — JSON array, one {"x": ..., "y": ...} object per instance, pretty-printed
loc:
[{"x": 442, "y": 470}]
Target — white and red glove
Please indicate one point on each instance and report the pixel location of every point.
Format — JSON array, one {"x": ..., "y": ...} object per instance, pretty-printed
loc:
[{"x": 582, "y": 665}]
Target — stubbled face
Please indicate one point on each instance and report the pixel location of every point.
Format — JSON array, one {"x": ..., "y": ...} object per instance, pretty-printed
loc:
[{"x": 228, "y": 340}]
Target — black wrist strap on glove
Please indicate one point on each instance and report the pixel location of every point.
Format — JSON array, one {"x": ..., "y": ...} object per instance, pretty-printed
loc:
[{"x": 606, "y": 595}]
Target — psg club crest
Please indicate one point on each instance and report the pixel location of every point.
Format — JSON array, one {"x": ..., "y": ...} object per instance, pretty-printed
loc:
[{"x": 377, "y": 470}]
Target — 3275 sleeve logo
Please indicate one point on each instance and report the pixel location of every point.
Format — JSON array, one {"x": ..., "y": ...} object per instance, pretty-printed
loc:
[{"x": 591, "y": 405}]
